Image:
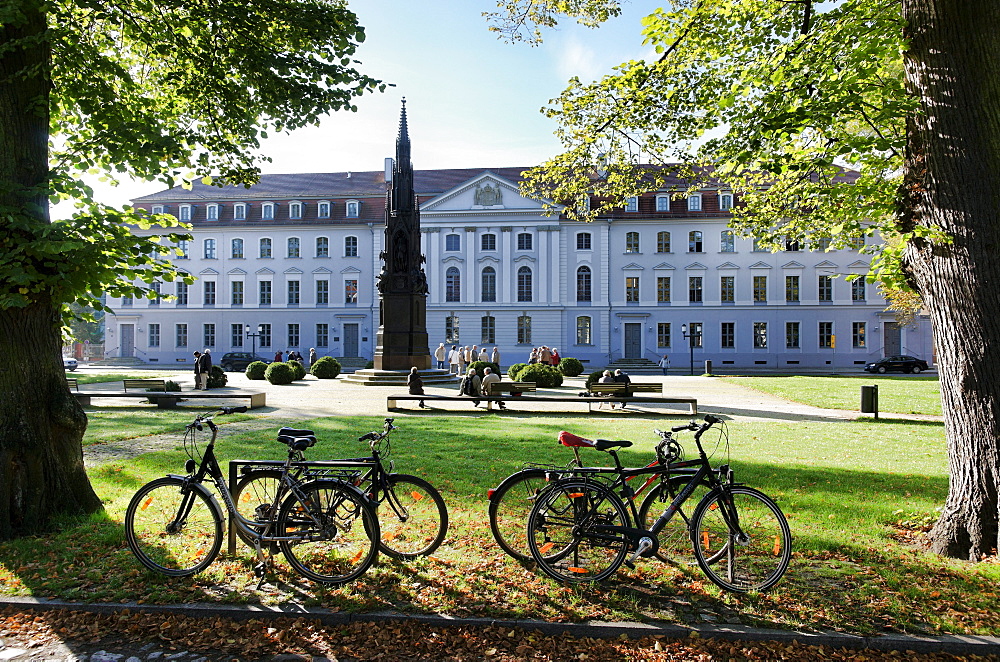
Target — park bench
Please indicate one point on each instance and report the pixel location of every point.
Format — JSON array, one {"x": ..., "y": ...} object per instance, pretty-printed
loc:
[
  {"x": 513, "y": 388},
  {"x": 71, "y": 382},
  {"x": 155, "y": 391},
  {"x": 144, "y": 384}
]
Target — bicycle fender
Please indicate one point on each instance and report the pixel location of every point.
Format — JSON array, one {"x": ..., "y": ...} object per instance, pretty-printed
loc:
[{"x": 210, "y": 496}]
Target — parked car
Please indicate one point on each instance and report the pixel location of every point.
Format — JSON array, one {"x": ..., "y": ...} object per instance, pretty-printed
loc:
[
  {"x": 901, "y": 363},
  {"x": 239, "y": 360},
  {"x": 69, "y": 363}
]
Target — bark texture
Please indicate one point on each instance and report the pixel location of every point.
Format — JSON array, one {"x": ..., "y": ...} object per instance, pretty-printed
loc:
[
  {"x": 952, "y": 181},
  {"x": 41, "y": 424}
]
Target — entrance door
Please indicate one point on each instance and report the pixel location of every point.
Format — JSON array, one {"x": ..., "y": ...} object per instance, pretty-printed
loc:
[
  {"x": 351, "y": 340},
  {"x": 892, "y": 342},
  {"x": 128, "y": 340},
  {"x": 633, "y": 340}
]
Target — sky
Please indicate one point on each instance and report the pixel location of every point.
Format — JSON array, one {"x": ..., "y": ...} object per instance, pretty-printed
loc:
[{"x": 471, "y": 99}]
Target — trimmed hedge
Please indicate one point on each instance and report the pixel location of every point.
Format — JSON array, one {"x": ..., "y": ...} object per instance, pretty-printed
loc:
[
  {"x": 325, "y": 368},
  {"x": 480, "y": 365},
  {"x": 171, "y": 385},
  {"x": 544, "y": 376},
  {"x": 298, "y": 369},
  {"x": 216, "y": 377},
  {"x": 570, "y": 367},
  {"x": 256, "y": 370},
  {"x": 514, "y": 371},
  {"x": 279, "y": 373},
  {"x": 595, "y": 376}
]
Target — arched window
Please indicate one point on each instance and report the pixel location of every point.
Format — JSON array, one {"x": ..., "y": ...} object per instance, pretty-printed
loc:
[
  {"x": 727, "y": 242},
  {"x": 267, "y": 211},
  {"x": 452, "y": 242},
  {"x": 212, "y": 212},
  {"x": 489, "y": 284},
  {"x": 237, "y": 246},
  {"x": 350, "y": 246},
  {"x": 631, "y": 242},
  {"x": 294, "y": 247},
  {"x": 583, "y": 284},
  {"x": 322, "y": 247},
  {"x": 662, "y": 242},
  {"x": 524, "y": 284},
  {"x": 295, "y": 210},
  {"x": 694, "y": 202},
  {"x": 352, "y": 209},
  {"x": 695, "y": 241},
  {"x": 452, "y": 285}
]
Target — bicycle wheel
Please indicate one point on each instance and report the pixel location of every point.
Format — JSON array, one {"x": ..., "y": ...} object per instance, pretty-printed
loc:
[
  {"x": 574, "y": 531},
  {"x": 335, "y": 530},
  {"x": 173, "y": 528},
  {"x": 675, "y": 538},
  {"x": 254, "y": 499},
  {"x": 509, "y": 508},
  {"x": 412, "y": 517},
  {"x": 749, "y": 554}
]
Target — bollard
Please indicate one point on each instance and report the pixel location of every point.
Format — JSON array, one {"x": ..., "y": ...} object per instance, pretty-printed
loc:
[{"x": 869, "y": 400}]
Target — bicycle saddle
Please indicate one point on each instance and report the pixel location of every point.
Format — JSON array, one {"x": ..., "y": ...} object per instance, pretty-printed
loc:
[
  {"x": 572, "y": 440},
  {"x": 297, "y": 439}
]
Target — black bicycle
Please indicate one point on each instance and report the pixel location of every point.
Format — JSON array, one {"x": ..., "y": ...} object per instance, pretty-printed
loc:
[
  {"x": 580, "y": 529},
  {"x": 326, "y": 529},
  {"x": 413, "y": 517}
]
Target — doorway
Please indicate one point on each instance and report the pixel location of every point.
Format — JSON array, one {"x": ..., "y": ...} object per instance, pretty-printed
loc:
[
  {"x": 128, "y": 340},
  {"x": 633, "y": 340},
  {"x": 351, "y": 340}
]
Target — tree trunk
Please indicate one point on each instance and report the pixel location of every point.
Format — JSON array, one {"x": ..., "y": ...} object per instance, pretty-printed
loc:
[
  {"x": 952, "y": 183},
  {"x": 41, "y": 424}
]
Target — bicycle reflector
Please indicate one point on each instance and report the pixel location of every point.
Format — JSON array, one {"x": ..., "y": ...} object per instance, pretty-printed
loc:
[
  {"x": 489, "y": 493},
  {"x": 190, "y": 465}
]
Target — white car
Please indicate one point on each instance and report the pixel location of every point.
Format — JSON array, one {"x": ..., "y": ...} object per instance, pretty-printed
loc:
[{"x": 69, "y": 363}]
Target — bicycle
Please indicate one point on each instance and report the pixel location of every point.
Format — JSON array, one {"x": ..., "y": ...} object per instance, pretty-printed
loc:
[
  {"x": 413, "y": 517},
  {"x": 579, "y": 529},
  {"x": 326, "y": 529}
]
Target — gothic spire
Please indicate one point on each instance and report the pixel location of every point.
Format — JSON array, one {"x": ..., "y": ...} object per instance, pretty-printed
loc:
[{"x": 402, "y": 194}]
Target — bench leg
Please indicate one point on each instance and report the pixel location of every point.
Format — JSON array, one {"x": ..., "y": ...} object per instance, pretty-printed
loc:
[
  {"x": 694, "y": 408},
  {"x": 165, "y": 403},
  {"x": 83, "y": 400},
  {"x": 390, "y": 404},
  {"x": 258, "y": 400}
]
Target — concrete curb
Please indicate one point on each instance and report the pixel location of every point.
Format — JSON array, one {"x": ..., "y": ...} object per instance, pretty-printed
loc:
[{"x": 954, "y": 644}]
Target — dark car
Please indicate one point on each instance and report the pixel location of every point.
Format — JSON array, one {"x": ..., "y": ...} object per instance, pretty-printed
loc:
[
  {"x": 899, "y": 363},
  {"x": 239, "y": 360}
]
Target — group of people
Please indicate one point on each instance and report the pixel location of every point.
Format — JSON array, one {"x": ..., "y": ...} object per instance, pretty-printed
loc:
[
  {"x": 456, "y": 358},
  {"x": 471, "y": 385},
  {"x": 202, "y": 369},
  {"x": 545, "y": 355},
  {"x": 295, "y": 355},
  {"x": 618, "y": 377}
]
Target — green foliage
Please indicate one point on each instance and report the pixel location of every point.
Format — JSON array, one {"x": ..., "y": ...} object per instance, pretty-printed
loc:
[
  {"x": 595, "y": 376},
  {"x": 279, "y": 373},
  {"x": 256, "y": 370},
  {"x": 479, "y": 365},
  {"x": 369, "y": 365},
  {"x": 570, "y": 367},
  {"x": 298, "y": 369},
  {"x": 325, "y": 368},
  {"x": 171, "y": 385},
  {"x": 544, "y": 376},
  {"x": 216, "y": 377},
  {"x": 514, "y": 371}
]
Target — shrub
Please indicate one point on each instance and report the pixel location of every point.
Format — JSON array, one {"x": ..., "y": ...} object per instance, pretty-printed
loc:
[
  {"x": 514, "y": 371},
  {"x": 369, "y": 365},
  {"x": 171, "y": 385},
  {"x": 217, "y": 377},
  {"x": 595, "y": 376},
  {"x": 544, "y": 376},
  {"x": 256, "y": 370},
  {"x": 571, "y": 367},
  {"x": 479, "y": 365},
  {"x": 325, "y": 368},
  {"x": 279, "y": 373},
  {"x": 298, "y": 369}
]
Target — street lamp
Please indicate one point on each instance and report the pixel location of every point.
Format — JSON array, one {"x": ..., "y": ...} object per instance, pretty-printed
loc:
[
  {"x": 253, "y": 338},
  {"x": 693, "y": 338}
]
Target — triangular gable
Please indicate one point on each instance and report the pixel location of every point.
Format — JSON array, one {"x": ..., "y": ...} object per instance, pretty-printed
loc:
[
  {"x": 487, "y": 192},
  {"x": 727, "y": 266},
  {"x": 825, "y": 264},
  {"x": 695, "y": 266},
  {"x": 293, "y": 271},
  {"x": 322, "y": 270},
  {"x": 208, "y": 272},
  {"x": 264, "y": 272},
  {"x": 760, "y": 265},
  {"x": 632, "y": 266},
  {"x": 793, "y": 265},
  {"x": 860, "y": 264},
  {"x": 350, "y": 270},
  {"x": 662, "y": 266},
  {"x": 236, "y": 272}
]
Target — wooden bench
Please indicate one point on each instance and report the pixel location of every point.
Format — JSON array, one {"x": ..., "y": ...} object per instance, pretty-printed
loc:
[
  {"x": 392, "y": 402},
  {"x": 512, "y": 387},
  {"x": 144, "y": 384},
  {"x": 628, "y": 389},
  {"x": 71, "y": 382},
  {"x": 169, "y": 399}
]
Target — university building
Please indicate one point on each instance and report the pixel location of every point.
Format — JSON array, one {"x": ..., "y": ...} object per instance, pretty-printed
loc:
[{"x": 291, "y": 263}]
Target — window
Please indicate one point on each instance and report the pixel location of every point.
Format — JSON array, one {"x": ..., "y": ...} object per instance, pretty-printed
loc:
[
  {"x": 350, "y": 246},
  {"x": 353, "y": 209},
  {"x": 210, "y": 249},
  {"x": 727, "y": 289},
  {"x": 858, "y": 289},
  {"x": 825, "y": 288},
  {"x": 489, "y": 284},
  {"x": 157, "y": 209},
  {"x": 265, "y": 335},
  {"x": 583, "y": 284},
  {"x": 695, "y": 241},
  {"x": 452, "y": 284},
  {"x": 155, "y": 298},
  {"x": 212, "y": 212},
  {"x": 792, "y": 335},
  {"x": 265, "y": 247},
  {"x": 662, "y": 289},
  {"x": 183, "y": 249},
  {"x": 760, "y": 335},
  {"x": 524, "y": 330},
  {"x": 182, "y": 293},
  {"x": 823, "y": 244},
  {"x": 323, "y": 335},
  {"x": 181, "y": 335},
  {"x": 154, "y": 335},
  {"x": 488, "y": 326},
  {"x": 727, "y": 334},
  {"x": 583, "y": 330},
  {"x": 267, "y": 211},
  {"x": 294, "y": 292},
  {"x": 631, "y": 242},
  {"x": 488, "y": 242},
  {"x": 295, "y": 210},
  {"x": 452, "y": 242},
  {"x": 662, "y": 242},
  {"x": 264, "y": 293},
  {"x": 236, "y": 249},
  {"x": 826, "y": 334},
  {"x": 523, "y": 241},
  {"x": 757, "y": 248},
  {"x": 791, "y": 288},
  {"x": 293, "y": 335},
  {"x": 760, "y": 289},
  {"x": 694, "y": 289},
  {"x": 294, "y": 247},
  {"x": 695, "y": 338},
  {"x": 583, "y": 241},
  {"x": 236, "y": 292},
  {"x": 694, "y": 202},
  {"x": 323, "y": 211},
  {"x": 632, "y": 289},
  {"x": 663, "y": 334},
  {"x": 858, "y": 334},
  {"x": 451, "y": 328},
  {"x": 857, "y": 243},
  {"x": 524, "y": 284},
  {"x": 791, "y": 245},
  {"x": 185, "y": 212},
  {"x": 632, "y": 204},
  {"x": 209, "y": 334},
  {"x": 322, "y": 247},
  {"x": 126, "y": 302},
  {"x": 663, "y": 203},
  {"x": 727, "y": 242},
  {"x": 350, "y": 291},
  {"x": 236, "y": 335},
  {"x": 239, "y": 211},
  {"x": 726, "y": 201},
  {"x": 322, "y": 292}
]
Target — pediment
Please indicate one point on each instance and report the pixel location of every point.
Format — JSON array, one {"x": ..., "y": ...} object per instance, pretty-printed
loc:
[
  {"x": 760, "y": 265},
  {"x": 236, "y": 272},
  {"x": 825, "y": 264},
  {"x": 663, "y": 266},
  {"x": 859, "y": 264},
  {"x": 350, "y": 270},
  {"x": 696, "y": 266},
  {"x": 208, "y": 272},
  {"x": 632, "y": 266},
  {"x": 293, "y": 271},
  {"x": 793, "y": 265},
  {"x": 727, "y": 266},
  {"x": 483, "y": 193},
  {"x": 322, "y": 270},
  {"x": 264, "y": 272}
]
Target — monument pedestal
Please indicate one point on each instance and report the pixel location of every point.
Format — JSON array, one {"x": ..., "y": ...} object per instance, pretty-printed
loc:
[{"x": 376, "y": 377}]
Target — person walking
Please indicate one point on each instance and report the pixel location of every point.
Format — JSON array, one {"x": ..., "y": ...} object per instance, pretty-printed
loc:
[
  {"x": 472, "y": 386},
  {"x": 495, "y": 357},
  {"x": 439, "y": 356},
  {"x": 312, "y": 356},
  {"x": 665, "y": 363},
  {"x": 453, "y": 360},
  {"x": 489, "y": 379},
  {"x": 415, "y": 385},
  {"x": 197, "y": 371},
  {"x": 206, "y": 368}
]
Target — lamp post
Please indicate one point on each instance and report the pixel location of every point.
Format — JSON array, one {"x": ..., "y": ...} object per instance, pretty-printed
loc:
[
  {"x": 692, "y": 337},
  {"x": 253, "y": 338}
]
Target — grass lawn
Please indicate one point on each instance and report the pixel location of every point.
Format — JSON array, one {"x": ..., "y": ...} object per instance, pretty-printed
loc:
[
  {"x": 103, "y": 377},
  {"x": 857, "y": 495},
  {"x": 107, "y": 424},
  {"x": 899, "y": 394}
]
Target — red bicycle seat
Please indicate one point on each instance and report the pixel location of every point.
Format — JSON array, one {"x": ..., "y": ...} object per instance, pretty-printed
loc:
[{"x": 572, "y": 440}]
